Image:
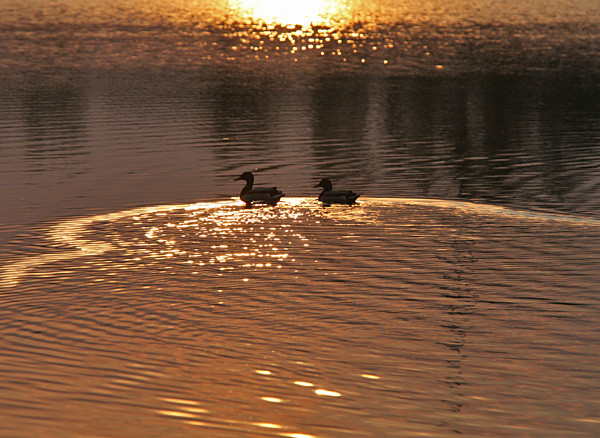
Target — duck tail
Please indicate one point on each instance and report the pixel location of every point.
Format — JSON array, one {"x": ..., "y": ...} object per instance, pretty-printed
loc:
[
  {"x": 352, "y": 198},
  {"x": 274, "y": 191},
  {"x": 274, "y": 199}
]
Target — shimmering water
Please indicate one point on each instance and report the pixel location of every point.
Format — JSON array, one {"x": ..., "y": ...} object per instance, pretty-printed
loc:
[
  {"x": 460, "y": 296},
  {"x": 398, "y": 317}
]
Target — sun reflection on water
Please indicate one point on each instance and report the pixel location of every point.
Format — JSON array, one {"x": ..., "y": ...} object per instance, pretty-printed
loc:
[
  {"x": 222, "y": 235},
  {"x": 433, "y": 36},
  {"x": 222, "y": 371},
  {"x": 304, "y": 13},
  {"x": 318, "y": 29}
]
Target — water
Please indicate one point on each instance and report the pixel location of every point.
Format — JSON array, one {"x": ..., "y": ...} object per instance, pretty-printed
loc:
[
  {"x": 460, "y": 296},
  {"x": 398, "y": 317}
]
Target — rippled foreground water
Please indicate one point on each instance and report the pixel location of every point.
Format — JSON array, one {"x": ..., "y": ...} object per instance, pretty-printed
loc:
[{"x": 396, "y": 317}]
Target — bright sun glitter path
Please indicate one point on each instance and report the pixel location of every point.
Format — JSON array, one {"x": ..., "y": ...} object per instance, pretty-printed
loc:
[
  {"x": 302, "y": 13},
  {"x": 226, "y": 225}
]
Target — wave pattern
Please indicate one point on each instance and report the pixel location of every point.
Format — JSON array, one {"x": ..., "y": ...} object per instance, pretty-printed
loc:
[
  {"x": 397, "y": 317},
  {"x": 402, "y": 36}
]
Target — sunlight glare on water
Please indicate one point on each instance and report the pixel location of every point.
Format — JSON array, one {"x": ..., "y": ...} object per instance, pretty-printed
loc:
[
  {"x": 307, "y": 321},
  {"x": 395, "y": 35},
  {"x": 305, "y": 13}
]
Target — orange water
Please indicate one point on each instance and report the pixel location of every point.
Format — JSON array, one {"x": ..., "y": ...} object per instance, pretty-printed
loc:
[
  {"x": 397, "y": 317},
  {"x": 139, "y": 298}
]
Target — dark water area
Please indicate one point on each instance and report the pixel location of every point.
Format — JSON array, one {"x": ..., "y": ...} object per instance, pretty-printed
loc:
[
  {"x": 81, "y": 141},
  {"x": 460, "y": 296},
  {"x": 118, "y": 104}
]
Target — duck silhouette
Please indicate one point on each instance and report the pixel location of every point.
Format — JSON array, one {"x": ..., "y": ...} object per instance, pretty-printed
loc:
[
  {"x": 258, "y": 195},
  {"x": 329, "y": 196}
]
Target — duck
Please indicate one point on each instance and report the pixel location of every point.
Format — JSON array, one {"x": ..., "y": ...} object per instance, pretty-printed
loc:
[
  {"x": 259, "y": 195},
  {"x": 329, "y": 196}
]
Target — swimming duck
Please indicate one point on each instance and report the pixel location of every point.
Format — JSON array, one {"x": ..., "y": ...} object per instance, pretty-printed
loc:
[
  {"x": 329, "y": 196},
  {"x": 259, "y": 195}
]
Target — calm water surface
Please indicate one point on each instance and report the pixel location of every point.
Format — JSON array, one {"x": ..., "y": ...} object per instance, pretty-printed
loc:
[{"x": 460, "y": 297}]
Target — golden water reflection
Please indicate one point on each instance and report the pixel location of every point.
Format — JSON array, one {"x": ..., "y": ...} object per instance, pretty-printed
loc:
[
  {"x": 327, "y": 29},
  {"x": 433, "y": 35},
  {"x": 226, "y": 236},
  {"x": 189, "y": 412},
  {"x": 373, "y": 323},
  {"x": 304, "y": 13}
]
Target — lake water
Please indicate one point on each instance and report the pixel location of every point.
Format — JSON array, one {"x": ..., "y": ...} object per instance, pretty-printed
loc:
[{"x": 138, "y": 297}]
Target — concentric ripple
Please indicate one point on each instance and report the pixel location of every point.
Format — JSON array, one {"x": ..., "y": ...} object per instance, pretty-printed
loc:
[
  {"x": 210, "y": 319},
  {"x": 221, "y": 234}
]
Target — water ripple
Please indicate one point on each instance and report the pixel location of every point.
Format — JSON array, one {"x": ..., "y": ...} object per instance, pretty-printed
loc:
[{"x": 301, "y": 320}]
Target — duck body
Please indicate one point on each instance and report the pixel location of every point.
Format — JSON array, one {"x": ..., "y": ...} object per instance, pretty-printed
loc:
[
  {"x": 329, "y": 196},
  {"x": 258, "y": 195}
]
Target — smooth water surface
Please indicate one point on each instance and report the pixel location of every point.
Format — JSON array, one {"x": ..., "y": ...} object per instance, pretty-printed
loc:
[{"x": 459, "y": 297}]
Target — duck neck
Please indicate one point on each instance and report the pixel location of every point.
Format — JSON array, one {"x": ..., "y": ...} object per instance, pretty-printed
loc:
[{"x": 247, "y": 187}]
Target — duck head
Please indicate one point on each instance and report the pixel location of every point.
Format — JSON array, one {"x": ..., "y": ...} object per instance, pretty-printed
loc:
[
  {"x": 246, "y": 176},
  {"x": 325, "y": 183}
]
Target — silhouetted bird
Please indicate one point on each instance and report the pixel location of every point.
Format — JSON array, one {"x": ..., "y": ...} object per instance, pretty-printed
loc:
[
  {"x": 329, "y": 196},
  {"x": 259, "y": 195}
]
